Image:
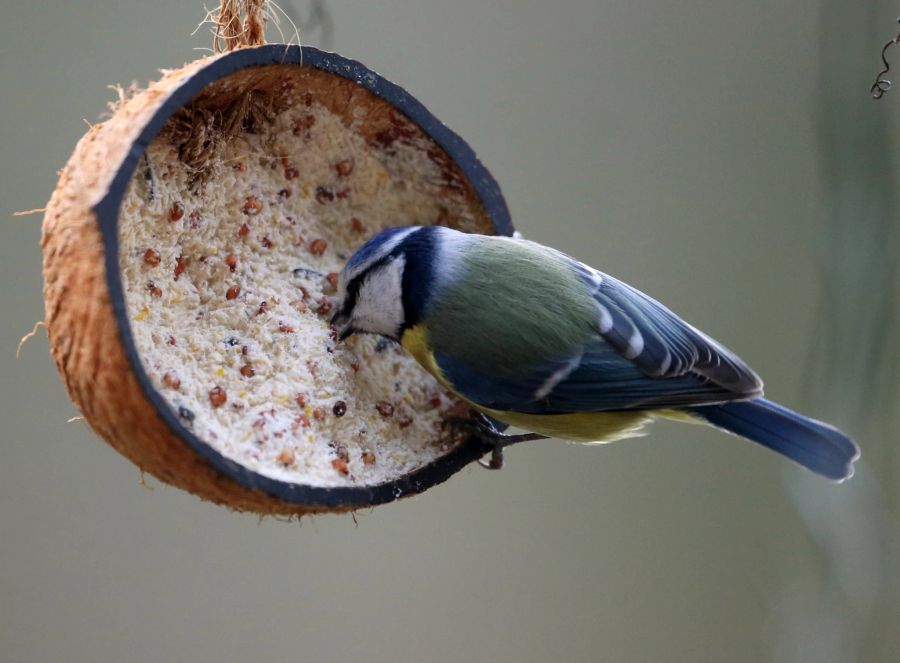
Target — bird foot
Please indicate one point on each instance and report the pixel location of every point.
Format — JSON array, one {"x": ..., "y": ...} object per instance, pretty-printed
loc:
[{"x": 483, "y": 428}]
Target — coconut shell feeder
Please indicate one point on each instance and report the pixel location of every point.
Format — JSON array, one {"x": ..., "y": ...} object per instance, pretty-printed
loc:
[{"x": 189, "y": 256}]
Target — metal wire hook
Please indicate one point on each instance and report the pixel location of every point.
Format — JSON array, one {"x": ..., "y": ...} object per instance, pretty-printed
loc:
[{"x": 881, "y": 84}]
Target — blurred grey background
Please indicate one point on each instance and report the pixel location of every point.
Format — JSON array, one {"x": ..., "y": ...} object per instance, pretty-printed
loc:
[{"x": 723, "y": 156}]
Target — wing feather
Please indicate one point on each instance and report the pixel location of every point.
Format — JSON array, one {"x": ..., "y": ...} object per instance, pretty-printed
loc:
[
  {"x": 601, "y": 379},
  {"x": 639, "y": 356},
  {"x": 663, "y": 345}
]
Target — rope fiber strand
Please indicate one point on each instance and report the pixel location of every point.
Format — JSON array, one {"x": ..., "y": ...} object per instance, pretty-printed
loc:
[{"x": 239, "y": 23}]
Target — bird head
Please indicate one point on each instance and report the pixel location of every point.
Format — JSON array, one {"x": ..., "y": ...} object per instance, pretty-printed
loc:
[{"x": 374, "y": 289}]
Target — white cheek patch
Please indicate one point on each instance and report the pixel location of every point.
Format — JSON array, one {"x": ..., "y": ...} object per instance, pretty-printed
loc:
[{"x": 379, "y": 306}]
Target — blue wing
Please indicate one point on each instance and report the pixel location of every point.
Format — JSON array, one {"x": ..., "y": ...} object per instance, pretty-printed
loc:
[
  {"x": 642, "y": 356},
  {"x": 600, "y": 379}
]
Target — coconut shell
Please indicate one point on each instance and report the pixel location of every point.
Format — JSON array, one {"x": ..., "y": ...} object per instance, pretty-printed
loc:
[{"x": 85, "y": 311}]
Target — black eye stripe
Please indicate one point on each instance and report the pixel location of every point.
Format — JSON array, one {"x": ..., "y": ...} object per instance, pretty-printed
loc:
[
  {"x": 355, "y": 285},
  {"x": 352, "y": 294},
  {"x": 422, "y": 241}
]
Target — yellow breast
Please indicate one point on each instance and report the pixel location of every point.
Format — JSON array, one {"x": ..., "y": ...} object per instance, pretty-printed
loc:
[
  {"x": 415, "y": 341},
  {"x": 586, "y": 427}
]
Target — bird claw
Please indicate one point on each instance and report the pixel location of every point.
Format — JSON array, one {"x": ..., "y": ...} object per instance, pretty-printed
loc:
[
  {"x": 484, "y": 429},
  {"x": 496, "y": 461}
]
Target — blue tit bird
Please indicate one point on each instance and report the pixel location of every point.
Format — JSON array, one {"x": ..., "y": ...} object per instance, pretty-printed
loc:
[{"x": 538, "y": 340}]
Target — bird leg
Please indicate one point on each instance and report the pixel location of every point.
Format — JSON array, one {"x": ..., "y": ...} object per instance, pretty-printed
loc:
[{"x": 484, "y": 428}]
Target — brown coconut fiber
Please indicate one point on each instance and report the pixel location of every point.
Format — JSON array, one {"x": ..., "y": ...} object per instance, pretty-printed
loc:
[{"x": 84, "y": 333}]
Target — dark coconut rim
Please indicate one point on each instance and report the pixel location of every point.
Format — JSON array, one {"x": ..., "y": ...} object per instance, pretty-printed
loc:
[{"x": 107, "y": 211}]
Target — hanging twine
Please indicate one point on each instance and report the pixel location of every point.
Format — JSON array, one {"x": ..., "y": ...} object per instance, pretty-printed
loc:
[{"x": 239, "y": 23}]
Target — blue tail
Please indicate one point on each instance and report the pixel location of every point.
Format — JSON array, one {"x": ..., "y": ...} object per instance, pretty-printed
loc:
[{"x": 815, "y": 445}]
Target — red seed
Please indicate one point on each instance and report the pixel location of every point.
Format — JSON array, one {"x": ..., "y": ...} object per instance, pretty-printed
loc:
[
  {"x": 151, "y": 257},
  {"x": 368, "y": 458},
  {"x": 291, "y": 173},
  {"x": 333, "y": 278},
  {"x": 241, "y": 166},
  {"x": 180, "y": 265},
  {"x": 244, "y": 350},
  {"x": 176, "y": 211},
  {"x": 195, "y": 219},
  {"x": 404, "y": 421},
  {"x": 263, "y": 307},
  {"x": 244, "y": 230},
  {"x": 217, "y": 396},
  {"x": 284, "y": 193},
  {"x": 231, "y": 261},
  {"x": 357, "y": 225},
  {"x": 339, "y": 409},
  {"x": 385, "y": 409},
  {"x": 285, "y": 328},
  {"x": 247, "y": 371},
  {"x": 305, "y": 123},
  {"x": 300, "y": 399},
  {"x": 155, "y": 290},
  {"x": 171, "y": 381},
  {"x": 386, "y": 137},
  {"x": 324, "y": 307},
  {"x": 317, "y": 247},
  {"x": 172, "y": 341},
  {"x": 252, "y": 206},
  {"x": 324, "y": 195},
  {"x": 266, "y": 242},
  {"x": 233, "y": 292},
  {"x": 354, "y": 366},
  {"x": 435, "y": 401},
  {"x": 344, "y": 168},
  {"x": 400, "y": 129},
  {"x": 286, "y": 457},
  {"x": 319, "y": 414},
  {"x": 340, "y": 465}
]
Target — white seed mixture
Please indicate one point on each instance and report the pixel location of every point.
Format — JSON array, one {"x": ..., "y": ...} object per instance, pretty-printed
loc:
[{"x": 228, "y": 289}]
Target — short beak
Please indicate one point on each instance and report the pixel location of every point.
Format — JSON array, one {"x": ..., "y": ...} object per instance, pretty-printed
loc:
[{"x": 340, "y": 321}]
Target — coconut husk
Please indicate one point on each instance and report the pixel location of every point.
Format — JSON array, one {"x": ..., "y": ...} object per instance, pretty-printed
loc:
[{"x": 84, "y": 319}]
